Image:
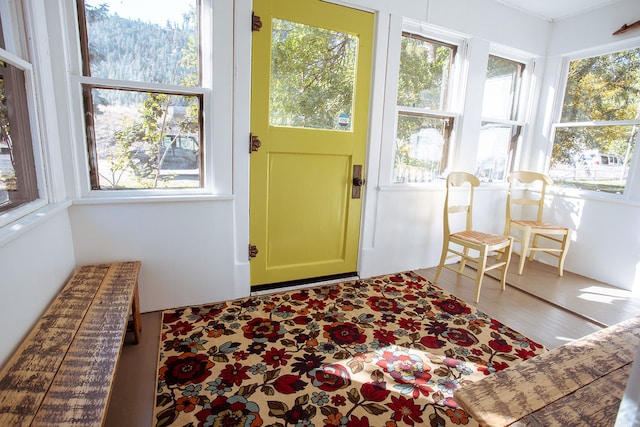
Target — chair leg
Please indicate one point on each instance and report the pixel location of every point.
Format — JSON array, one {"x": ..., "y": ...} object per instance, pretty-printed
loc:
[
  {"x": 482, "y": 265},
  {"x": 443, "y": 258},
  {"x": 563, "y": 254},
  {"x": 534, "y": 244},
  {"x": 507, "y": 232},
  {"x": 507, "y": 253},
  {"x": 463, "y": 261},
  {"x": 524, "y": 248}
]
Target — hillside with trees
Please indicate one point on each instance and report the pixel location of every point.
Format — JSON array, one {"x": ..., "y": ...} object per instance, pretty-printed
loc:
[{"x": 127, "y": 49}]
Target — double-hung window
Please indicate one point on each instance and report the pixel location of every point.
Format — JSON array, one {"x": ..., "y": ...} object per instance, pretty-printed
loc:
[
  {"x": 598, "y": 128},
  {"x": 424, "y": 117},
  {"x": 19, "y": 147},
  {"x": 142, "y": 94},
  {"x": 501, "y": 128}
]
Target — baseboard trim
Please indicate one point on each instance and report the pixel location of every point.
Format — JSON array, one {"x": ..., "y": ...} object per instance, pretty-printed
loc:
[{"x": 301, "y": 282}]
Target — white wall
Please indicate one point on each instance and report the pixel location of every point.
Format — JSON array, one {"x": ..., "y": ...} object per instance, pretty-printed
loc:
[
  {"x": 593, "y": 28},
  {"x": 35, "y": 262},
  {"x": 186, "y": 248},
  {"x": 606, "y": 244}
]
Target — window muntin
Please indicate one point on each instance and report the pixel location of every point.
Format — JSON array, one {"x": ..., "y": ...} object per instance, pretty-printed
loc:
[
  {"x": 500, "y": 128},
  {"x": 141, "y": 85},
  {"x": 424, "y": 122},
  {"x": 598, "y": 128},
  {"x": 312, "y": 77}
]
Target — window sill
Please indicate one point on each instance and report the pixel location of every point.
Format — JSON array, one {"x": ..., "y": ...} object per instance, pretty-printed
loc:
[
  {"x": 577, "y": 193},
  {"x": 115, "y": 198},
  {"x": 20, "y": 226},
  {"x": 438, "y": 185}
]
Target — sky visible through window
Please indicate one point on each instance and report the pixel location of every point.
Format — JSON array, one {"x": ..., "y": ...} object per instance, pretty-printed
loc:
[{"x": 155, "y": 11}]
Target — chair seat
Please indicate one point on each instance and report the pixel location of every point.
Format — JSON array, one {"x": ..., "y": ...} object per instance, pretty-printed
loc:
[
  {"x": 537, "y": 224},
  {"x": 481, "y": 238}
]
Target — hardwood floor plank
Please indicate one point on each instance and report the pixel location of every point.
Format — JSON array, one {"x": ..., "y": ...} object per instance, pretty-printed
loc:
[
  {"x": 603, "y": 304},
  {"x": 131, "y": 403},
  {"x": 527, "y": 314}
]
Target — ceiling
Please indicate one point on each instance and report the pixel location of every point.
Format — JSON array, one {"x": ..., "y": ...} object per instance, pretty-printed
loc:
[{"x": 556, "y": 9}]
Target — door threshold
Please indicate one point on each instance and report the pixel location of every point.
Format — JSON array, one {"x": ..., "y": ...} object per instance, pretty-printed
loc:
[{"x": 302, "y": 283}]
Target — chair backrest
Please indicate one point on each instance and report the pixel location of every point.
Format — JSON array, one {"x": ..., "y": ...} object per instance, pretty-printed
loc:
[
  {"x": 519, "y": 183},
  {"x": 461, "y": 201}
]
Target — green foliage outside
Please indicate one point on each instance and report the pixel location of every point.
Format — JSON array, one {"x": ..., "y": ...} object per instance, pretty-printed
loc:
[
  {"x": 602, "y": 88},
  {"x": 128, "y": 49},
  {"x": 312, "y": 76},
  {"x": 424, "y": 74}
]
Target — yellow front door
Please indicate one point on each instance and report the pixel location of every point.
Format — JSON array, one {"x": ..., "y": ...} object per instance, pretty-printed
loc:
[{"x": 310, "y": 97}]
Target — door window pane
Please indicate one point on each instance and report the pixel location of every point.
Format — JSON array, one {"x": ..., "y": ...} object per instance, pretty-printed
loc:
[{"x": 312, "y": 77}]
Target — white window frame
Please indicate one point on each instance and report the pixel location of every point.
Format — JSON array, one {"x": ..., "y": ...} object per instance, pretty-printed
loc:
[
  {"x": 525, "y": 105},
  {"x": 16, "y": 40},
  {"x": 216, "y": 33},
  {"x": 632, "y": 187},
  {"x": 458, "y": 76}
]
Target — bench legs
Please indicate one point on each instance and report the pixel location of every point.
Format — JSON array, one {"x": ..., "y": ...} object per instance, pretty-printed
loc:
[{"x": 135, "y": 310}]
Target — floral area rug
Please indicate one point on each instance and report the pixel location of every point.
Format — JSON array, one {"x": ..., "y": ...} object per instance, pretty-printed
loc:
[{"x": 387, "y": 351}]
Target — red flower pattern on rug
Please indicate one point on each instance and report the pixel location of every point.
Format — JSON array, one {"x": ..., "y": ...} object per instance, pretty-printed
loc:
[{"x": 388, "y": 351}]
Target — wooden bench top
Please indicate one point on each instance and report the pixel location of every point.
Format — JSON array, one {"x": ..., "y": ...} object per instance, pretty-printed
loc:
[
  {"x": 580, "y": 383},
  {"x": 63, "y": 371}
]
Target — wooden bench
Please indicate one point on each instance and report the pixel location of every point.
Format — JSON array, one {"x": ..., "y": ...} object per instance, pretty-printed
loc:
[
  {"x": 63, "y": 371},
  {"x": 579, "y": 383}
]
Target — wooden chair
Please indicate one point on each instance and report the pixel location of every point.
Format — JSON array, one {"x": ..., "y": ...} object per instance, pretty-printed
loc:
[
  {"x": 527, "y": 190},
  {"x": 475, "y": 246}
]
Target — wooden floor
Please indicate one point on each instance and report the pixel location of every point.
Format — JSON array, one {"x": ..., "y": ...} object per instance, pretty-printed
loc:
[{"x": 552, "y": 323}]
